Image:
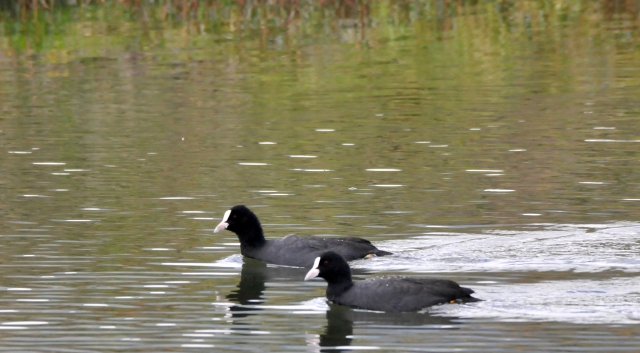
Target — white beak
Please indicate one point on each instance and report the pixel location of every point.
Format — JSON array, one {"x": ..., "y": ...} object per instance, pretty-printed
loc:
[
  {"x": 313, "y": 272},
  {"x": 223, "y": 224}
]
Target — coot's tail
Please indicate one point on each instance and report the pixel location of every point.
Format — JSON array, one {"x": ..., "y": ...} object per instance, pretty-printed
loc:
[
  {"x": 468, "y": 298},
  {"x": 382, "y": 253}
]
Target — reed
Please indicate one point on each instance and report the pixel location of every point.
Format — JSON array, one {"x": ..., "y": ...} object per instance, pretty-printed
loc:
[
  {"x": 290, "y": 9},
  {"x": 33, "y": 20}
]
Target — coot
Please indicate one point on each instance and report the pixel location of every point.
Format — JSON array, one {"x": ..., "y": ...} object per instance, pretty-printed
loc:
[
  {"x": 389, "y": 293},
  {"x": 290, "y": 250}
]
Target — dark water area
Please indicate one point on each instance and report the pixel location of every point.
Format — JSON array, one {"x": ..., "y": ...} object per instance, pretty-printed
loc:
[{"x": 494, "y": 144}]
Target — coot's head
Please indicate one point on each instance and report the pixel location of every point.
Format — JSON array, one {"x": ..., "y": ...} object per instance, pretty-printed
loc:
[
  {"x": 240, "y": 220},
  {"x": 330, "y": 266}
]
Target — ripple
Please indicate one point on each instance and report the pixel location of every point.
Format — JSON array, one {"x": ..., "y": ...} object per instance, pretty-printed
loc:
[
  {"x": 311, "y": 170},
  {"x": 32, "y": 300},
  {"x": 25, "y": 323},
  {"x": 554, "y": 301},
  {"x": 609, "y": 140},
  {"x": 208, "y": 274},
  {"x": 484, "y": 170},
  {"x": 49, "y": 163}
]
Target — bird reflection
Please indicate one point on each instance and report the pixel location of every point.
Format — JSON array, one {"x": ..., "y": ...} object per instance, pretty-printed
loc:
[
  {"x": 338, "y": 334},
  {"x": 248, "y": 294},
  {"x": 339, "y": 328},
  {"x": 249, "y": 290}
]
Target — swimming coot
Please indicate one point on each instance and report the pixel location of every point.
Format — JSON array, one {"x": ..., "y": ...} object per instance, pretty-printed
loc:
[
  {"x": 389, "y": 293},
  {"x": 290, "y": 250}
]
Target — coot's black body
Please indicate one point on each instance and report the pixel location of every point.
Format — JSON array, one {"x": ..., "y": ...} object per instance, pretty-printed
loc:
[
  {"x": 291, "y": 250},
  {"x": 389, "y": 293}
]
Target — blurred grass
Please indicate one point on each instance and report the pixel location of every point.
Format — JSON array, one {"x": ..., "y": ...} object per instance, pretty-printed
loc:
[
  {"x": 485, "y": 39},
  {"x": 43, "y": 25}
]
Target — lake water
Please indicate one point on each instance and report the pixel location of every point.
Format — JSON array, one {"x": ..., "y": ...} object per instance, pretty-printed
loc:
[{"x": 492, "y": 144}]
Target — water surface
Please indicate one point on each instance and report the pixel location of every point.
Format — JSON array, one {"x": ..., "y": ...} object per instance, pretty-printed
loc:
[{"x": 497, "y": 147}]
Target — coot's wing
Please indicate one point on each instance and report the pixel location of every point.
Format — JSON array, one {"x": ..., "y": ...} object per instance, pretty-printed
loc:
[
  {"x": 442, "y": 287},
  {"x": 293, "y": 250},
  {"x": 401, "y": 293},
  {"x": 350, "y": 248}
]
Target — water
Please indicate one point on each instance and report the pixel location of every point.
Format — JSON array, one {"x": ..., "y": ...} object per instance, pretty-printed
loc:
[{"x": 494, "y": 147}]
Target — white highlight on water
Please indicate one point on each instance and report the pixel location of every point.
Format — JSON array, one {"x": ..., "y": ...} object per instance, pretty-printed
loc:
[
  {"x": 311, "y": 170},
  {"x": 609, "y": 140},
  {"x": 25, "y": 323}
]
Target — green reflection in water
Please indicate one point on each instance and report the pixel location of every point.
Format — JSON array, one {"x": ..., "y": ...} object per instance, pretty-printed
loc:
[
  {"x": 512, "y": 87},
  {"x": 422, "y": 117}
]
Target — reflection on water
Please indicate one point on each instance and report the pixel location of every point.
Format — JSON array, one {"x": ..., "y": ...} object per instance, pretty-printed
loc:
[
  {"x": 249, "y": 293},
  {"x": 339, "y": 329},
  {"x": 217, "y": 298},
  {"x": 250, "y": 289},
  {"x": 338, "y": 334},
  {"x": 491, "y": 143}
]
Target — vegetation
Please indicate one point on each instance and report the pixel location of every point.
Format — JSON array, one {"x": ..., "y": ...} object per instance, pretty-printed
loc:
[{"x": 42, "y": 25}]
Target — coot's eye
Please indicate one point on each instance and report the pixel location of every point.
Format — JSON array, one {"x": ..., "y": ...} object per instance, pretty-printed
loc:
[{"x": 326, "y": 262}]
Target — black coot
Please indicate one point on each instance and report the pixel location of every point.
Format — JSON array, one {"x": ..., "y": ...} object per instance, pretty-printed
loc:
[
  {"x": 290, "y": 250},
  {"x": 389, "y": 293}
]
